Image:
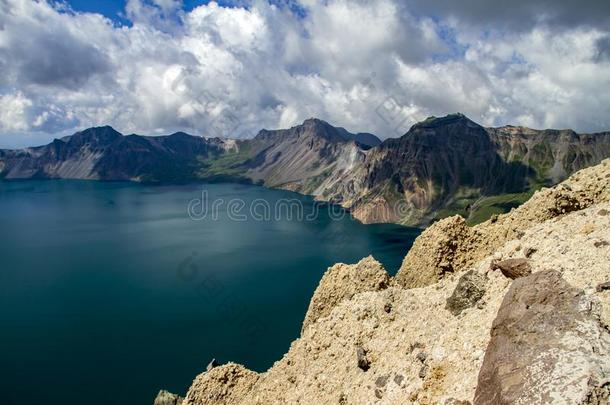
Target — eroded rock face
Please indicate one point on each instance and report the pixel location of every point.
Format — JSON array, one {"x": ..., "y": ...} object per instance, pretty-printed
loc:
[
  {"x": 408, "y": 179},
  {"x": 451, "y": 245},
  {"x": 547, "y": 346},
  {"x": 469, "y": 290},
  {"x": 225, "y": 384},
  {"x": 437, "y": 251},
  {"x": 343, "y": 281},
  {"x": 167, "y": 398},
  {"x": 421, "y": 351}
]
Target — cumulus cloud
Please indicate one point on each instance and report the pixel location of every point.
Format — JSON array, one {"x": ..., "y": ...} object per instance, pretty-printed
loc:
[
  {"x": 47, "y": 55},
  {"x": 13, "y": 112},
  {"x": 230, "y": 71}
]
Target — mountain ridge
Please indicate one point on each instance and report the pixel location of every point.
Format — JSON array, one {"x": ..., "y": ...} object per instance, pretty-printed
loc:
[{"x": 441, "y": 166}]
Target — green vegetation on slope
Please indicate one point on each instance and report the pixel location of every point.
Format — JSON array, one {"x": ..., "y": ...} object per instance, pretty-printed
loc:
[
  {"x": 226, "y": 166},
  {"x": 460, "y": 206},
  {"x": 477, "y": 208},
  {"x": 486, "y": 207}
]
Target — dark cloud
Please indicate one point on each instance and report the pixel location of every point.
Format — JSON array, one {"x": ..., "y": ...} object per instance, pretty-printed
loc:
[
  {"x": 603, "y": 49},
  {"x": 46, "y": 54},
  {"x": 6, "y": 10},
  {"x": 55, "y": 61},
  {"x": 520, "y": 14}
]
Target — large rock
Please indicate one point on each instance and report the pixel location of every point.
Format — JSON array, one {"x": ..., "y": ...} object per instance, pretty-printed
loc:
[
  {"x": 342, "y": 282},
  {"x": 167, "y": 398},
  {"x": 513, "y": 268},
  {"x": 440, "y": 249},
  {"x": 547, "y": 346},
  {"x": 225, "y": 384},
  {"x": 469, "y": 290}
]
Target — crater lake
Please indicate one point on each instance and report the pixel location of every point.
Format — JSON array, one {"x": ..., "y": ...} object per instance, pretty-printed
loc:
[{"x": 112, "y": 291}]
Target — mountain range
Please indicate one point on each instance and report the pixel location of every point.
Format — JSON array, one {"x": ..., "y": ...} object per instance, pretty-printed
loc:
[{"x": 440, "y": 167}]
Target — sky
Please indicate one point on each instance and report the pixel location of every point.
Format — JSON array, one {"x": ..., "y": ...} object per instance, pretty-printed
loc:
[{"x": 231, "y": 68}]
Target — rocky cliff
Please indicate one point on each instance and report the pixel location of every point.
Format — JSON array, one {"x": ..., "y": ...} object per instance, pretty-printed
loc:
[
  {"x": 441, "y": 167},
  {"x": 302, "y": 157},
  {"x": 515, "y": 310},
  {"x": 450, "y": 165}
]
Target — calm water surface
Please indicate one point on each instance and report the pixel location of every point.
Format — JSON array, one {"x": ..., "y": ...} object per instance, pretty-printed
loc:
[{"x": 109, "y": 291}]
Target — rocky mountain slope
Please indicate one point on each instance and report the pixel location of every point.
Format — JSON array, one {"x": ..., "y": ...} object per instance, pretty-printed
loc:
[
  {"x": 104, "y": 154},
  {"x": 451, "y": 165},
  {"x": 279, "y": 158},
  {"x": 515, "y": 310},
  {"x": 442, "y": 166},
  {"x": 299, "y": 158}
]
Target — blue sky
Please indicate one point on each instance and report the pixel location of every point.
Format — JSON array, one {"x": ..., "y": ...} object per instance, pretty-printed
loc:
[
  {"x": 113, "y": 9},
  {"x": 109, "y": 8}
]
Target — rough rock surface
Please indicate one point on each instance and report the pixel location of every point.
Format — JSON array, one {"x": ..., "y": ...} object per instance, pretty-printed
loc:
[
  {"x": 417, "y": 350},
  {"x": 167, "y": 398},
  {"x": 469, "y": 290},
  {"x": 449, "y": 245},
  {"x": 439, "y": 250},
  {"x": 547, "y": 345},
  {"x": 343, "y": 281},
  {"x": 225, "y": 384},
  {"x": 513, "y": 268}
]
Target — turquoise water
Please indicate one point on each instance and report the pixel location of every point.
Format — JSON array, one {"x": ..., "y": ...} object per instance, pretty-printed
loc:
[{"x": 110, "y": 291}]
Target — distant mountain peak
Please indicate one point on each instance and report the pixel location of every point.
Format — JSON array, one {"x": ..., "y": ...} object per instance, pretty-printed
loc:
[
  {"x": 314, "y": 120},
  {"x": 96, "y": 135},
  {"x": 315, "y": 127},
  {"x": 433, "y": 122},
  {"x": 106, "y": 129},
  {"x": 317, "y": 124},
  {"x": 180, "y": 134}
]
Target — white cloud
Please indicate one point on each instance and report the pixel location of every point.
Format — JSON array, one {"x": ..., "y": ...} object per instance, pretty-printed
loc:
[
  {"x": 14, "y": 112},
  {"x": 367, "y": 66}
]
